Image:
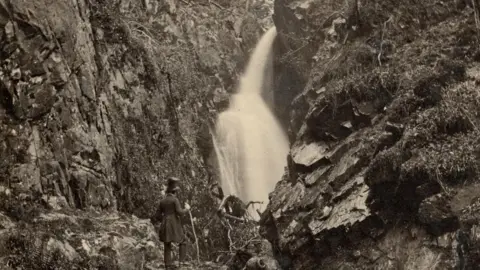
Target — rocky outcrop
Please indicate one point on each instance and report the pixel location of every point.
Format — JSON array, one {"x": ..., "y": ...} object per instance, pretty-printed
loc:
[
  {"x": 83, "y": 240},
  {"x": 90, "y": 240},
  {"x": 102, "y": 100},
  {"x": 383, "y": 126}
]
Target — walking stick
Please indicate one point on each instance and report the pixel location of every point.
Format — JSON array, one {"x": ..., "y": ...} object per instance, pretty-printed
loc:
[{"x": 194, "y": 235}]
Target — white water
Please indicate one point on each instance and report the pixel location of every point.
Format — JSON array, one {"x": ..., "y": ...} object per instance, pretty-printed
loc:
[{"x": 250, "y": 145}]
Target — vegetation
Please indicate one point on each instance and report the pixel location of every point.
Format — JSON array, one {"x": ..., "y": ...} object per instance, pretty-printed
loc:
[{"x": 167, "y": 47}]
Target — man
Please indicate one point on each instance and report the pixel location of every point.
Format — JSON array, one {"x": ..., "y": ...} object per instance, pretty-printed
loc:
[{"x": 171, "y": 229}]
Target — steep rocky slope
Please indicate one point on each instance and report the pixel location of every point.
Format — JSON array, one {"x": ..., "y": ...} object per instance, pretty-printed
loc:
[
  {"x": 100, "y": 101},
  {"x": 384, "y": 164}
]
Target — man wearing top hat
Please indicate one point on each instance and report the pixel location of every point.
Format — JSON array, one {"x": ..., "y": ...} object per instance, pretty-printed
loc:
[{"x": 171, "y": 229}]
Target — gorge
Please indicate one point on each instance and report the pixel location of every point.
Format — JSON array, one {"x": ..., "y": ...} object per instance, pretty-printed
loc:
[{"x": 101, "y": 101}]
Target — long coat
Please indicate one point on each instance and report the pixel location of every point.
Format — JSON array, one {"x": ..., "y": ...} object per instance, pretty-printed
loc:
[{"x": 169, "y": 211}]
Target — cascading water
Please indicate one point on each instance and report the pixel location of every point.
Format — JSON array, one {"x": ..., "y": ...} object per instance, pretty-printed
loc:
[{"x": 250, "y": 145}]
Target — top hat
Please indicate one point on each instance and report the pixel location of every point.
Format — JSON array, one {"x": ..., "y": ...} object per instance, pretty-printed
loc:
[
  {"x": 172, "y": 184},
  {"x": 172, "y": 181}
]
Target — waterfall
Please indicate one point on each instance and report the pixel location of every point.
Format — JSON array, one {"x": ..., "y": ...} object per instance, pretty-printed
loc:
[{"x": 250, "y": 145}]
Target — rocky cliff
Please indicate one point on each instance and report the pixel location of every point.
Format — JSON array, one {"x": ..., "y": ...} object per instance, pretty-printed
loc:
[
  {"x": 384, "y": 164},
  {"x": 100, "y": 101}
]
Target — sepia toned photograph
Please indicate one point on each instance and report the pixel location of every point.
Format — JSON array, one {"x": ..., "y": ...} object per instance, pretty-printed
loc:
[{"x": 240, "y": 134}]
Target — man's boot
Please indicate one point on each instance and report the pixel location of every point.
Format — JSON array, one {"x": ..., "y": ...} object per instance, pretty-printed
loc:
[
  {"x": 182, "y": 250},
  {"x": 167, "y": 256}
]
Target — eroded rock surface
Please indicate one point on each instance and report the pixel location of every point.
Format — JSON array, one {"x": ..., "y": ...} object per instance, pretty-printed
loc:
[
  {"x": 100, "y": 101},
  {"x": 382, "y": 120},
  {"x": 85, "y": 240},
  {"x": 91, "y": 98}
]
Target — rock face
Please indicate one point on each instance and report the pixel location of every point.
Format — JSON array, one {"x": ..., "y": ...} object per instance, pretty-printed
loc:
[
  {"x": 100, "y": 101},
  {"x": 89, "y": 240},
  {"x": 382, "y": 103},
  {"x": 96, "y": 101}
]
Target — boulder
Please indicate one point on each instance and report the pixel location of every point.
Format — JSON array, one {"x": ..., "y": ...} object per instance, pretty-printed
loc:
[
  {"x": 436, "y": 213},
  {"x": 6, "y": 222},
  {"x": 308, "y": 154},
  {"x": 264, "y": 262},
  {"x": 64, "y": 248},
  {"x": 345, "y": 213}
]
